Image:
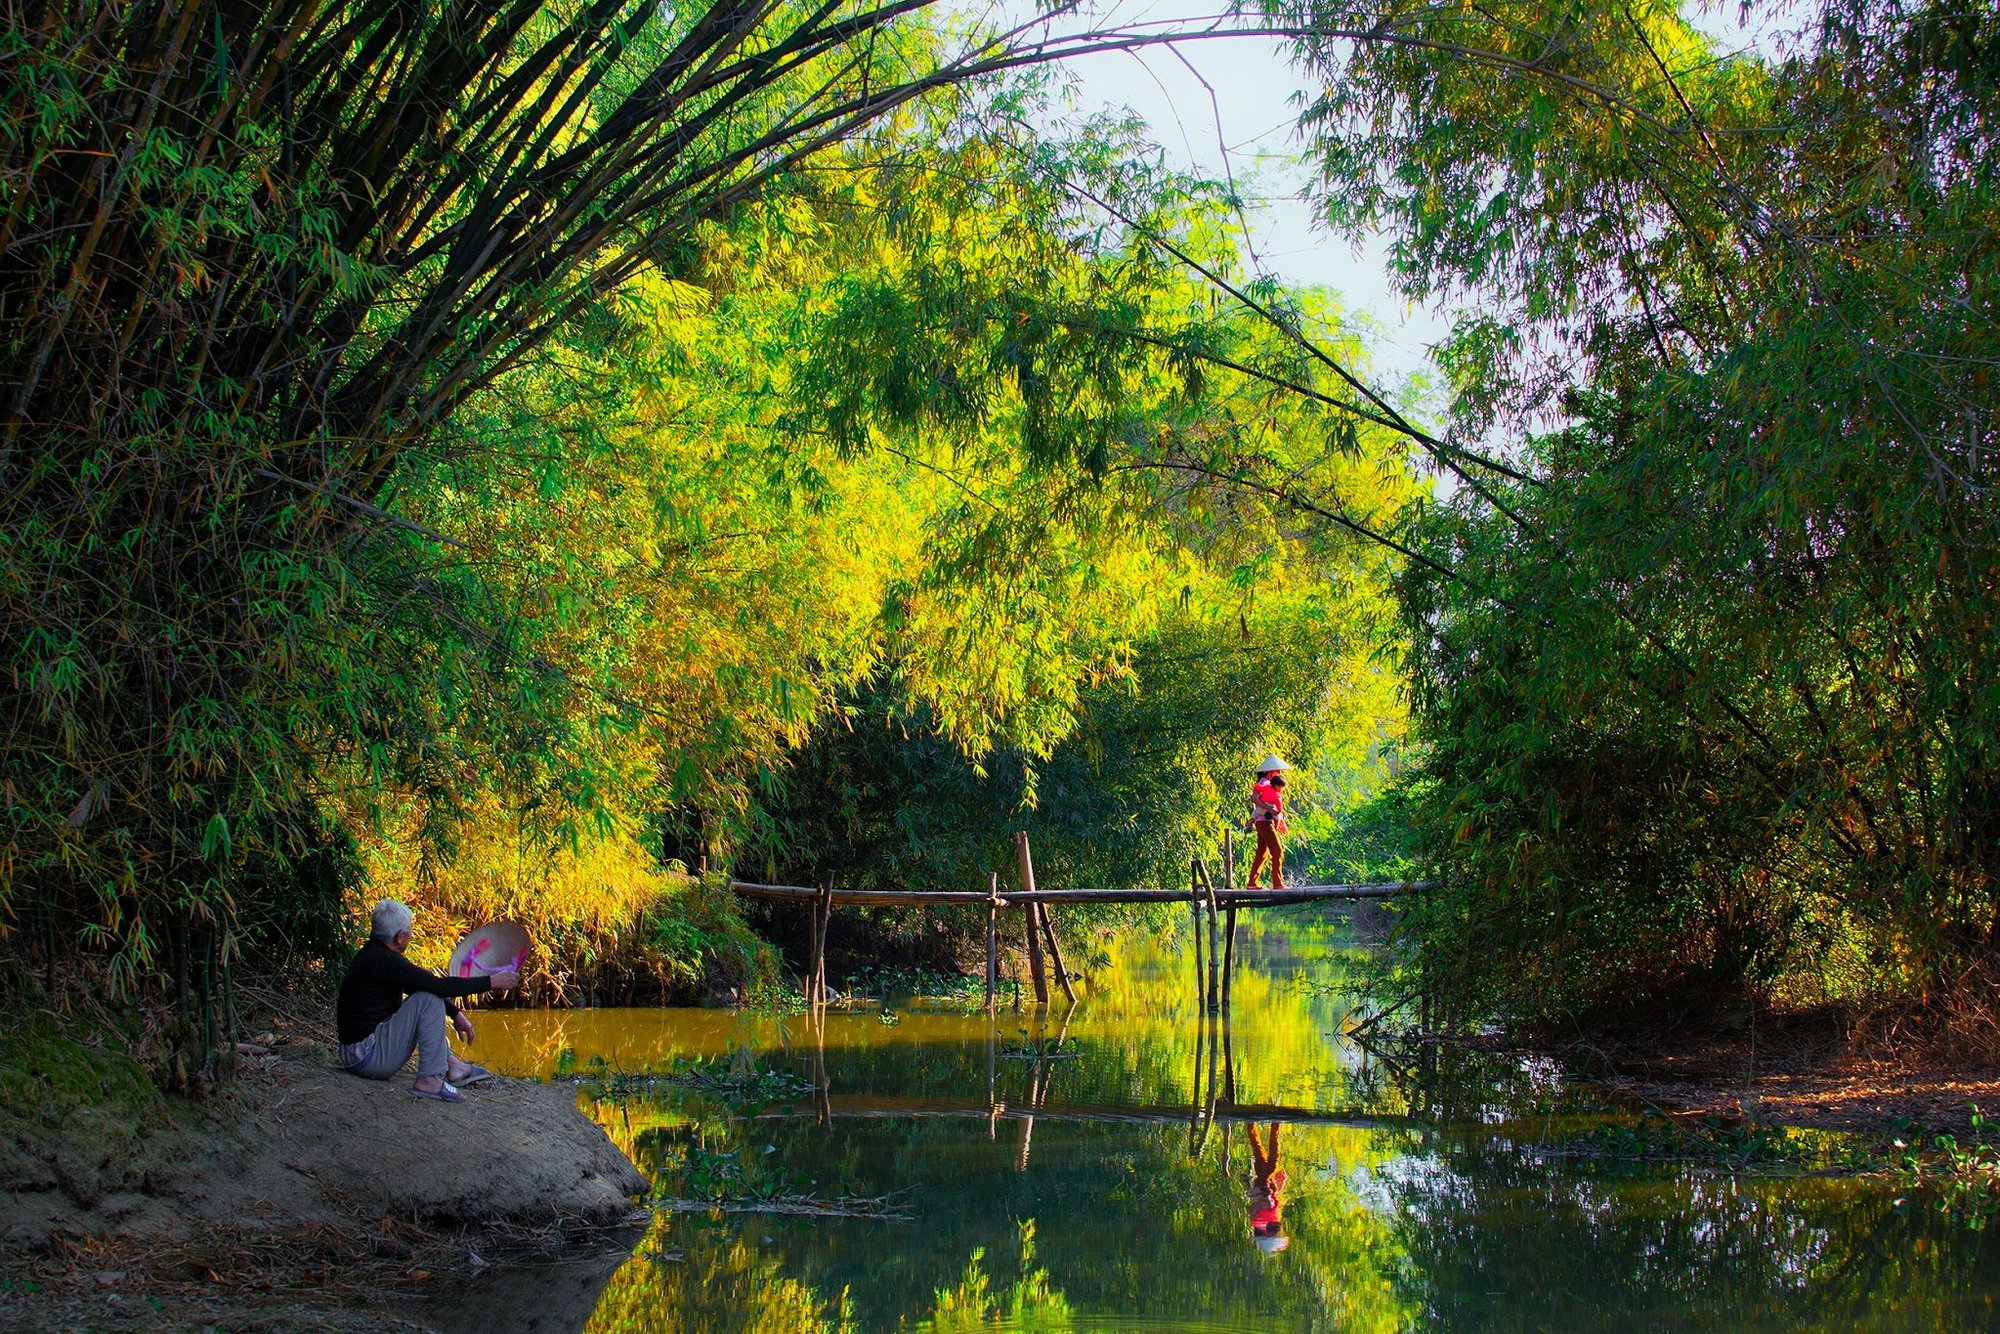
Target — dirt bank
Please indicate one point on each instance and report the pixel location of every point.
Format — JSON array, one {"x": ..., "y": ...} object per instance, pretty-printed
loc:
[
  {"x": 303, "y": 1144},
  {"x": 1812, "y": 1071},
  {"x": 304, "y": 1198}
]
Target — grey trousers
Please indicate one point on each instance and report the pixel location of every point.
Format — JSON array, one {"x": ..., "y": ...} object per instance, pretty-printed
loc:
[{"x": 417, "y": 1026}]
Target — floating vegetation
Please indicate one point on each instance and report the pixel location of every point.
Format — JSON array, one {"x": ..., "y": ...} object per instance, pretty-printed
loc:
[
  {"x": 919, "y": 988},
  {"x": 1039, "y": 1049},
  {"x": 885, "y": 1208},
  {"x": 774, "y": 1000},
  {"x": 1721, "y": 1142},
  {"x": 734, "y": 1079}
]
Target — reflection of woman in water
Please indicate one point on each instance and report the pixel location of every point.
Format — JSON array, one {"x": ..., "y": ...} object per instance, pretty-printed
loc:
[{"x": 1267, "y": 1179}]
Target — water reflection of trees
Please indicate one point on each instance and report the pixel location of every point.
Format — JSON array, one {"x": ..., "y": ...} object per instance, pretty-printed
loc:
[
  {"x": 1687, "y": 1247},
  {"x": 1457, "y": 1218},
  {"x": 719, "y": 1285},
  {"x": 1124, "y": 1219}
]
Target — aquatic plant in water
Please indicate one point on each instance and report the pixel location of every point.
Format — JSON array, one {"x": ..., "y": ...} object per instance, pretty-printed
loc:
[{"x": 1960, "y": 1179}]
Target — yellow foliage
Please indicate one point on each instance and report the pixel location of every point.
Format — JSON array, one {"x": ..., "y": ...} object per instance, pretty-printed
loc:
[{"x": 602, "y": 904}]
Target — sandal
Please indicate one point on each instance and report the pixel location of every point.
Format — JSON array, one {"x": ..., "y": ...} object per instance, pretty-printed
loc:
[
  {"x": 444, "y": 1092},
  {"x": 474, "y": 1074}
]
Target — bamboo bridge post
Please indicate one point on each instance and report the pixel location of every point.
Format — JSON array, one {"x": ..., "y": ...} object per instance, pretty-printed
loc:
[
  {"x": 992, "y": 945},
  {"x": 1214, "y": 947},
  {"x": 824, "y": 912},
  {"x": 1194, "y": 908},
  {"x": 992, "y": 1093},
  {"x": 1036, "y": 971},
  {"x": 1043, "y": 920},
  {"x": 1229, "y": 930},
  {"x": 811, "y": 980},
  {"x": 1055, "y": 951}
]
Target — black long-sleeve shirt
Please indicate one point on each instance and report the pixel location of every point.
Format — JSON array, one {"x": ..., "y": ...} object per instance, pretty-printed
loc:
[{"x": 376, "y": 982}]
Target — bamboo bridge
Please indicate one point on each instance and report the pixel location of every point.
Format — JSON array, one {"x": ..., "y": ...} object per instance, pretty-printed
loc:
[{"x": 1218, "y": 905}]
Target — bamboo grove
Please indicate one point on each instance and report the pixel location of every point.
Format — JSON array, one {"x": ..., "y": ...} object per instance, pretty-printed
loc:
[
  {"x": 494, "y": 452},
  {"x": 254, "y": 253},
  {"x": 412, "y": 462},
  {"x": 1709, "y": 700}
]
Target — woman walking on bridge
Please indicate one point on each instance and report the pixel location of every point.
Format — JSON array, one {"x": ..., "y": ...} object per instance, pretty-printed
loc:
[{"x": 1267, "y": 820}]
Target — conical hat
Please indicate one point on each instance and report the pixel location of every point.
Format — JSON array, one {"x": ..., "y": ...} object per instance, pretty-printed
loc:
[
  {"x": 497, "y": 947},
  {"x": 1272, "y": 764}
]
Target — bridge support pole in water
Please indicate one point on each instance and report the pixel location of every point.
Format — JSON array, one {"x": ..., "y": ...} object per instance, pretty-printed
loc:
[
  {"x": 1214, "y": 1001},
  {"x": 1194, "y": 909},
  {"x": 812, "y": 960},
  {"x": 992, "y": 946},
  {"x": 822, "y": 912},
  {"x": 992, "y": 1096},
  {"x": 1229, "y": 922},
  {"x": 1036, "y": 972},
  {"x": 1055, "y": 951}
]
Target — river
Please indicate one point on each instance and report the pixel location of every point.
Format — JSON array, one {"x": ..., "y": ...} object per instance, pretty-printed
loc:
[{"x": 1093, "y": 1171}]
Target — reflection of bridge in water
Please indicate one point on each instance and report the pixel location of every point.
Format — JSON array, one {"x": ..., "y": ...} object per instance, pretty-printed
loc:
[
  {"x": 1205, "y": 899},
  {"x": 1212, "y": 1101},
  {"x": 1214, "y": 910},
  {"x": 868, "y": 1107}
]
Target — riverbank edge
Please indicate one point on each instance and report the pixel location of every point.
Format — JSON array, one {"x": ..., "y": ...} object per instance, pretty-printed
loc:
[
  {"x": 1818, "y": 1070},
  {"x": 299, "y": 1197}
]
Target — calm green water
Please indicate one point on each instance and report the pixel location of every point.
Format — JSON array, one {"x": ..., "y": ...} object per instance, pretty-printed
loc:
[{"x": 1065, "y": 1173}]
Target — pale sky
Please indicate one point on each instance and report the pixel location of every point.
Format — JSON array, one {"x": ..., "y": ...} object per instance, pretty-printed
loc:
[{"x": 1249, "y": 120}]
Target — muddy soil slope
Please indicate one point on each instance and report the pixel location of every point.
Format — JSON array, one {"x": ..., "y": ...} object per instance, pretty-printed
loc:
[{"x": 301, "y": 1143}]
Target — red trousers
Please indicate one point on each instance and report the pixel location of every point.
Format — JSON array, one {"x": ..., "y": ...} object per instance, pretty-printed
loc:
[{"x": 1268, "y": 847}]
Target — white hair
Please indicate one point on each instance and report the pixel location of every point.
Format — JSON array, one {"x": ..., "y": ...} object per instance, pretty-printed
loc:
[{"x": 390, "y": 917}]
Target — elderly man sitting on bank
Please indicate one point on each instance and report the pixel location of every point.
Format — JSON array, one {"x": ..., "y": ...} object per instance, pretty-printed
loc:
[{"x": 379, "y": 1028}]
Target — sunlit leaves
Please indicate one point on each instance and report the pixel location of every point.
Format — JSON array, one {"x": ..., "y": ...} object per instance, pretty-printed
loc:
[{"x": 1704, "y": 709}]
